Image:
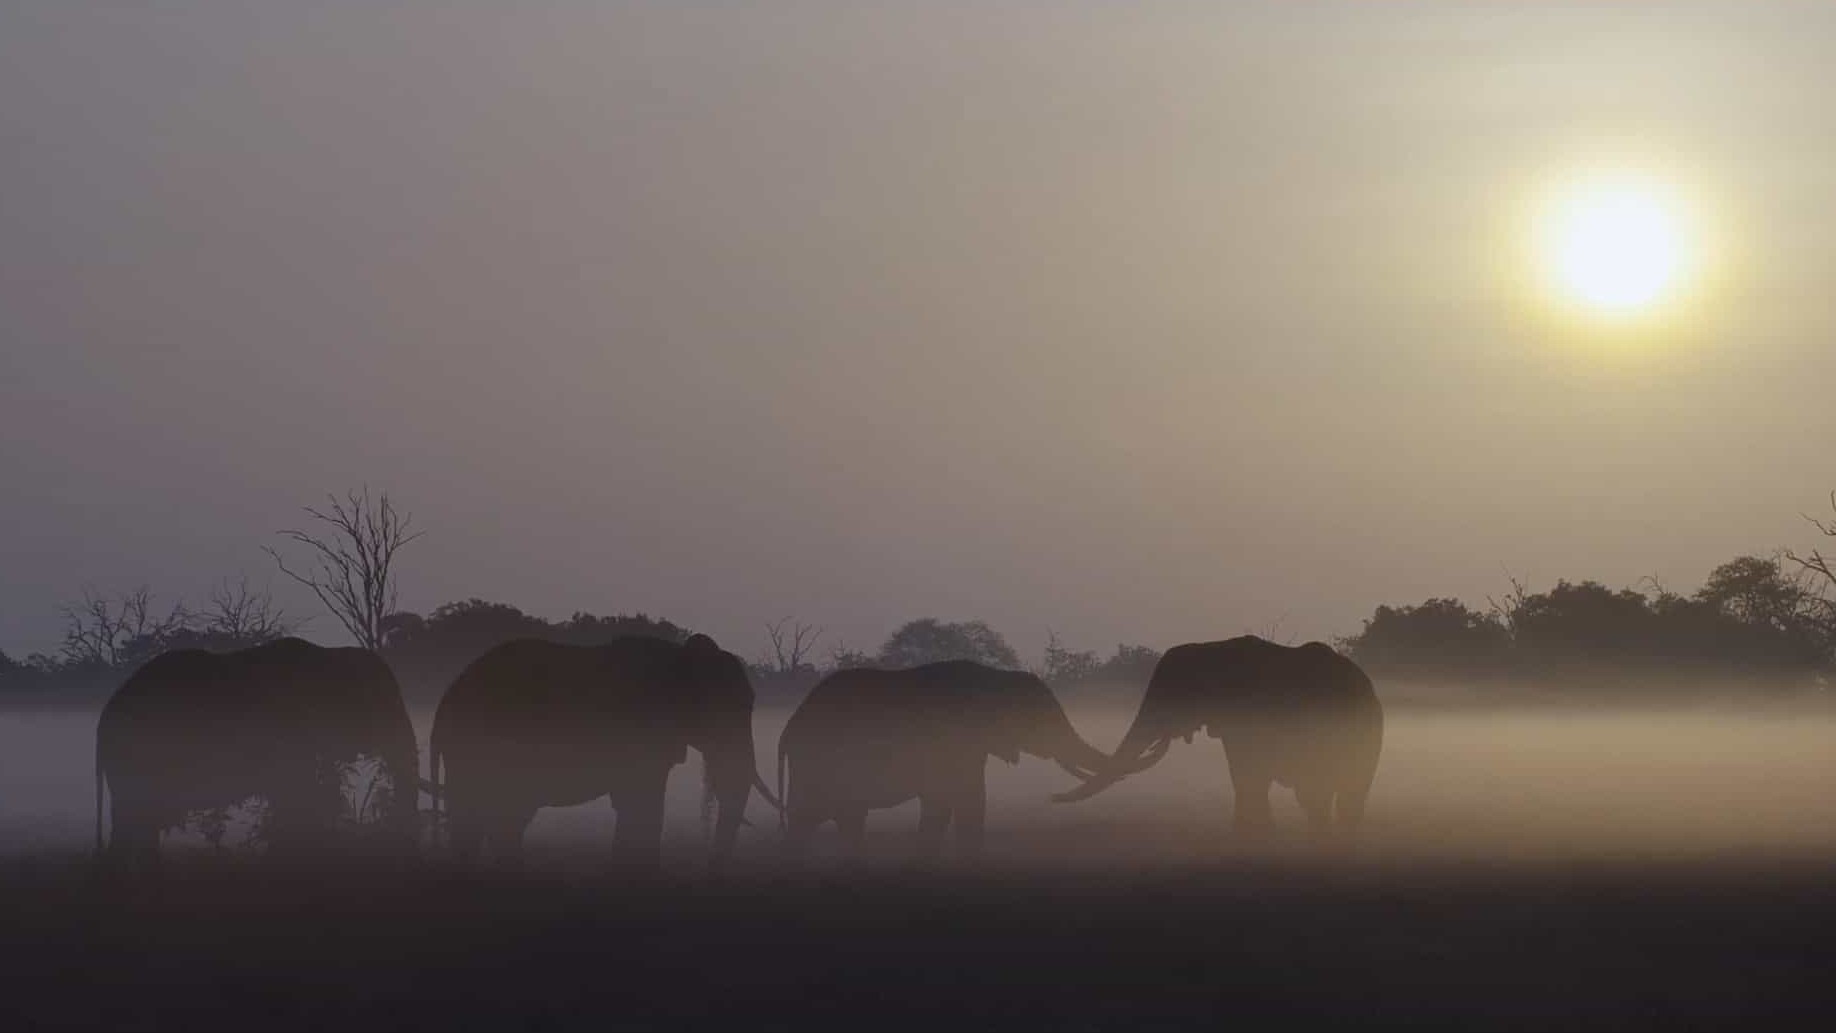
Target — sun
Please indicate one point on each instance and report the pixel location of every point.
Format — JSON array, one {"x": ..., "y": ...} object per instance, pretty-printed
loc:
[{"x": 1617, "y": 246}]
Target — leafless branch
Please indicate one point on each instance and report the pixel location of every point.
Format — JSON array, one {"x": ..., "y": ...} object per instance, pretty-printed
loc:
[
  {"x": 791, "y": 650},
  {"x": 243, "y": 615},
  {"x": 840, "y": 656},
  {"x": 1815, "y": 568},
  {"x": 1506, "y": 612},
  {"x": 352, "y": 565},
  {"x": 101, "y": 631},
  {"x": 1816, "y": 564},
  {"x": 1274, "y": 629}
]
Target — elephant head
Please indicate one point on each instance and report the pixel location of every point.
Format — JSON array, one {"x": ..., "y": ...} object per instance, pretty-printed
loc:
[
  {"x": 717, "y": 702},
  {"x": 1015, "y": 712},
  {"x": 351, "y": 709},
  {"x": 361, "y": 713},
  {"x": 1173, "y": 707},
  {"x": 1318, "y": 704}
]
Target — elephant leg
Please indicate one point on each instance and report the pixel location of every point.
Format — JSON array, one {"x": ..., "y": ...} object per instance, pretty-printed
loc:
[
  {"x": 933, "y": 821},
  {"x": 853, "y": 825},
  {"x": 504, "y": 832},
  {"x": 133, "y": 840},
  {"x": 1316, "y": 803},
  {"x": 1350, "y": 807},
  {"x": 1249, "y": 783},
  {"x": 971, "y": 816},
  {"x": 464, "y": 832},
  {"x": 637, "y": 838},
  {"x": 800, "y": 828},
  {"x": 1250, "y": 810}
]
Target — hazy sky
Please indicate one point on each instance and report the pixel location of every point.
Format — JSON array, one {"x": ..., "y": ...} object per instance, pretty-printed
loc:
[{"x": 1146, "y": 323}]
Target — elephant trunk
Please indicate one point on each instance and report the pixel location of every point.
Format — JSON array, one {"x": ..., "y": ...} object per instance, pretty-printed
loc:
[
  {"x": 1071, "y": 752},
  {"x": 1142, "y": 747}
]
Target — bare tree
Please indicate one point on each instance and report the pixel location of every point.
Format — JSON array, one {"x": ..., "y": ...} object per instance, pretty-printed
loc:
[
  {"x": 791, "y": 650},
  {"x": 242, "y": 615},
  {"x": 843, "y": 658},
  {"x": 101, "y": 631},
  {"x": 353, "y": 563},
  {"x": 1273, "y": 630},
  {"x": 1506, "y": 611},
  {"x": 1817, "y": 567},
  {"x": 1065, "y": 666}
]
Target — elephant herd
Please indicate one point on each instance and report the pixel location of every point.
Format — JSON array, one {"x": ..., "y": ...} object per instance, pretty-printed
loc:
[{"x": 533, "y": 724}]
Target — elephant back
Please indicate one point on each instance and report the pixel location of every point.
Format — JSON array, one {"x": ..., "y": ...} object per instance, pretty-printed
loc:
[
  {"x": 881, "y": 714},
  {"x": 179, "y": 703},
  {"x": 538, "y": 691}
]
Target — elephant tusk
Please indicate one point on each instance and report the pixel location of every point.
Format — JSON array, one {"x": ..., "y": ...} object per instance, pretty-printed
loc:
[
  {"x": 1100, "y": 781},
  {"x": 1085, "y": 791}
]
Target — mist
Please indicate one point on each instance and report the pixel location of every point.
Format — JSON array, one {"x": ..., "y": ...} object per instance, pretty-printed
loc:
[{"x": 1531, "y": 781}]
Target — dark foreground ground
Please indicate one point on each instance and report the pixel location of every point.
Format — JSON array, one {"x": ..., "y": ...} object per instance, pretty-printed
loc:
[{"x": 1242, "y": 943}]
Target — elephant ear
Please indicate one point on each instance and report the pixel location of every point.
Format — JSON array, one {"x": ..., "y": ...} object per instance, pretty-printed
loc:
[
  {"x": 1001, "y": 715},
  {"x": 699, "y": 657},
  {"x": 708, "y": 674}
]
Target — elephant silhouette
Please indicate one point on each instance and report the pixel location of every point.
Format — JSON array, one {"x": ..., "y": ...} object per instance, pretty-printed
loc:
[
  {"x": 192, "y": 730},
  {"x": 865, "y": 739},
  {"x": 534, "y": 723},
  {"x": 1299, "y": 716}
]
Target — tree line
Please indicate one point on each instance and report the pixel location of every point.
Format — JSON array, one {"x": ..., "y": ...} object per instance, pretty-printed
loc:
[
  {"x": 350, "y": 545},
  {"x": 107, "y": 637},
  {"x": 1756, "y": 621},
  {"x": 1760, "y": 620}
]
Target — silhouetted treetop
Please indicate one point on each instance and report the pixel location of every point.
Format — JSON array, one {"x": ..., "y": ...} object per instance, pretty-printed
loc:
[
  {"x": 928, "y": 640},
  {"x": 1129, "y": 664},
  {"x": 1759, "y": 590},
  {"x": 1436, "y": 635},
  {"x": 1064, "y": 666},
  {"x": 1752, "y": 619},
  {"x": 587, "y": 629},
  {"x": 427, "y": 652}
]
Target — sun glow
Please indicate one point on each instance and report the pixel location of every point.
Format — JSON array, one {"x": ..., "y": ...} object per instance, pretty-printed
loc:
[{"x": 1617, "y": 246}]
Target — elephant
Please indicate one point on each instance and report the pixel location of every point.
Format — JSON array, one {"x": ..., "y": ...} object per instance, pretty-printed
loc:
[
  {"x": 865, "y": 739},
  {"x": 193, "y": 730},
  {"x": 1299, "y": 716},
  {"x": 534, "y": 723}
]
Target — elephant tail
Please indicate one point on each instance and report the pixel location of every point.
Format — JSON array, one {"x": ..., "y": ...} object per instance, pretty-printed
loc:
[
  {"x": 436, "y": 771},
  {"x": 707, "y": 803},
  {"x": 783, "y": 800},
  {"x": 435, "y": 784},
  {"x": 101, "y": 782}
]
